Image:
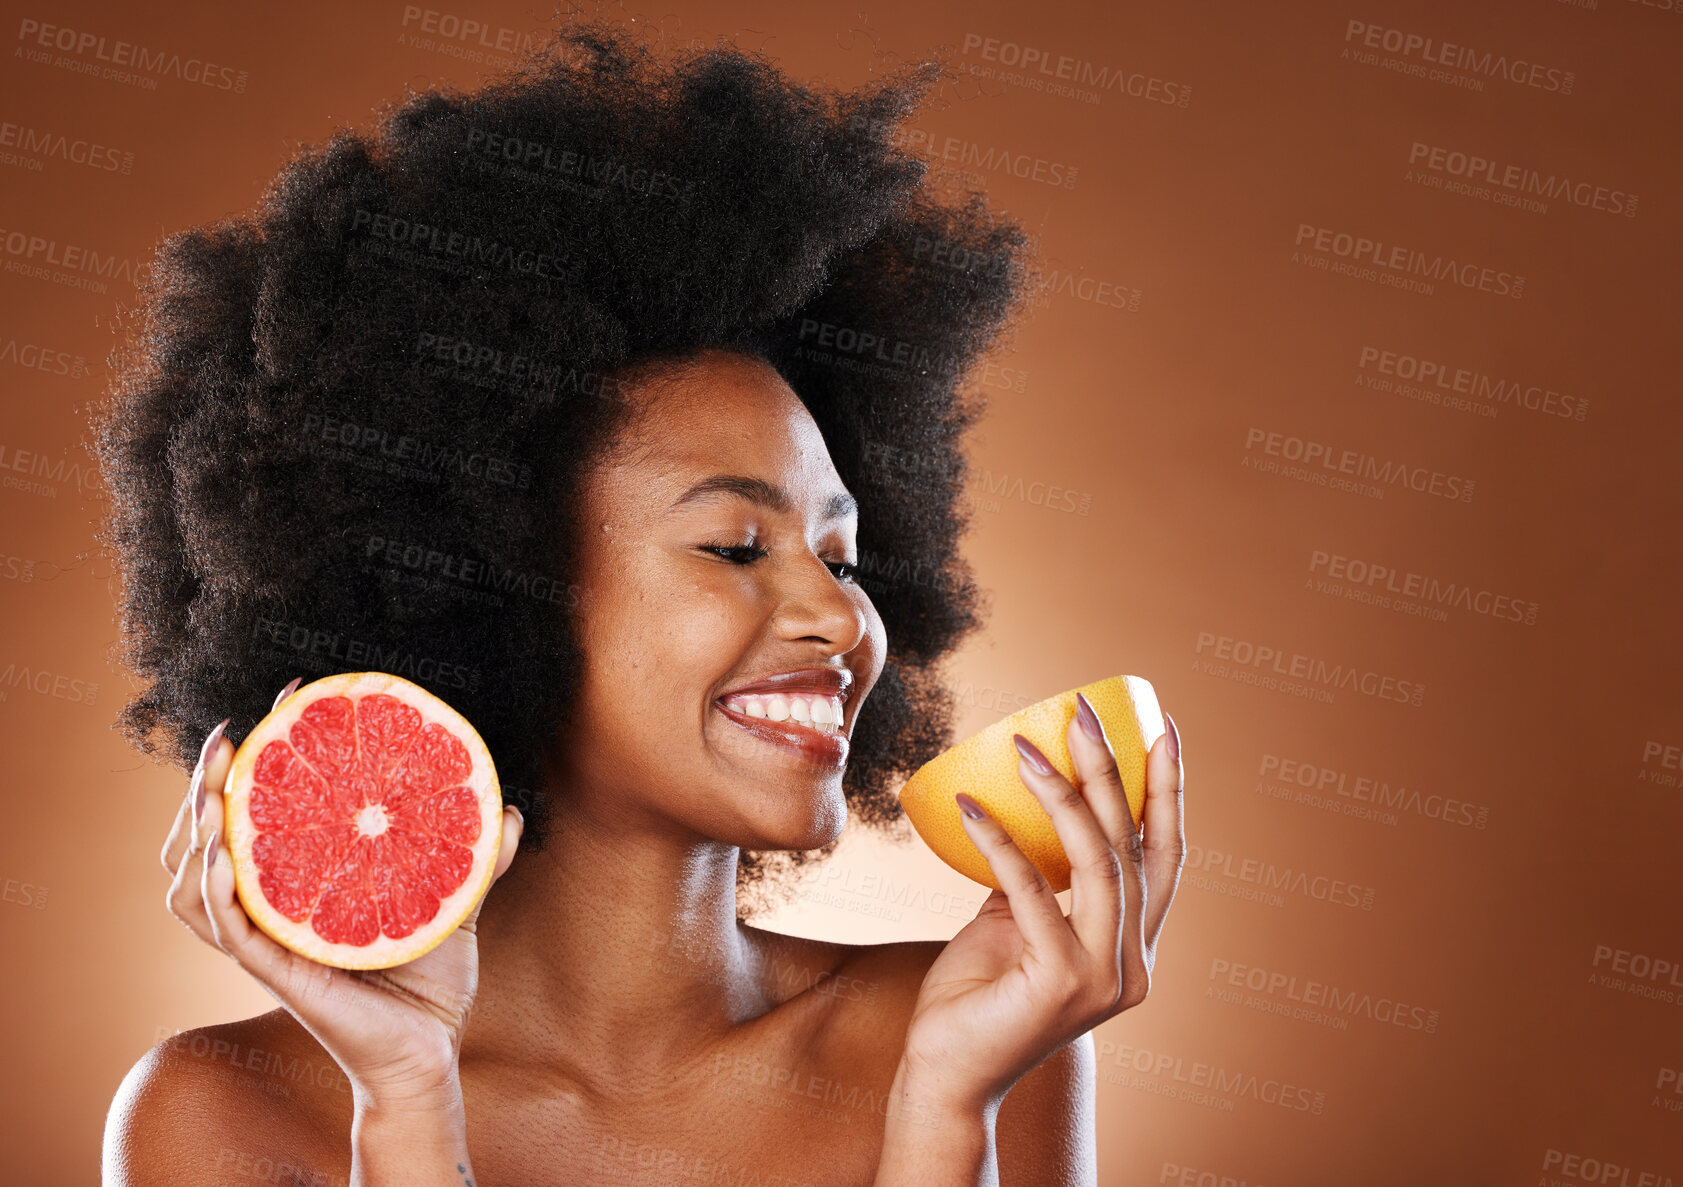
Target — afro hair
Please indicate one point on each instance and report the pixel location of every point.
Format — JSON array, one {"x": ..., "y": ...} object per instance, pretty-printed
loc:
[{"x": 345, "y": 427}]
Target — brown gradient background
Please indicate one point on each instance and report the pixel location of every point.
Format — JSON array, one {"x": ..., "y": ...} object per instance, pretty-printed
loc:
[{"x": 1143, "y": 414}]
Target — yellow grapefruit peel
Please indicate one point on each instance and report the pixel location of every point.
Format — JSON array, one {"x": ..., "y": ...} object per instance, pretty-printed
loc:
[{"x": 984, "y": 766}]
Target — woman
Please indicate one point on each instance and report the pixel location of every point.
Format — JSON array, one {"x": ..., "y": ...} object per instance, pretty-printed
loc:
[{"x": 632, "y": 338}]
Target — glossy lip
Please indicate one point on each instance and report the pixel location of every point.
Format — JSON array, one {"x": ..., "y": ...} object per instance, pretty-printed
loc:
[
  {"x": 825, "y": 749},
  {"x": 830, "y": 682}
]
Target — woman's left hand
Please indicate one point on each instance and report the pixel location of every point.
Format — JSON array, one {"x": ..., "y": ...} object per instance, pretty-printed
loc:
[{"x": 1022, "y": 979}]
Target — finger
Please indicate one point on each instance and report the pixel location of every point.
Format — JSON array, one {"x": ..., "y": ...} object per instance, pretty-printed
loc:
[
  {"x": 1111, "y": 806},
  {"x": 1165, "y": 826},
  {"x": 289, "y": 977},
  {"x": 207, "y": 806},
  {"x": 1095, "y": 762},
  {"x": 1095, "y": 870},
  {"x": 185, "y": 901},
  {"x": 227, "y": 926},
  {"x": 1034, "y": 908},
  {"x": 183, "y": 898},
  {"x": 180, "y": 835},
  {"x": 1095, "y": 759},
  {"x": 514, "y": 826},
  {"x": 1136, "y": 955}
]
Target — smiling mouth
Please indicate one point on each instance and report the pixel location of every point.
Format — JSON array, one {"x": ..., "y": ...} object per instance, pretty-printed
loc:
[
  {"x": 818, "y": 711},
  {"x": 818, "y": 741}
]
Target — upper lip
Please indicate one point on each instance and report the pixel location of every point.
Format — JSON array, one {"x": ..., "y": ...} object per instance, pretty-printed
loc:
[{"x": 832, "y": 682}]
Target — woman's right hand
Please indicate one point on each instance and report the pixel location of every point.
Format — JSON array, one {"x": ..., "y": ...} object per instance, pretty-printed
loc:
[{"x": 396, "y": 1032}]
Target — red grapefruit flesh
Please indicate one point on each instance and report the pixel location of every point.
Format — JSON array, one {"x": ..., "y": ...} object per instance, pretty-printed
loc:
[{"x": 363, "y": 817}]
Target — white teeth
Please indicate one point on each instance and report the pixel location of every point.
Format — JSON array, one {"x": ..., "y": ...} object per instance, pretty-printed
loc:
[{"x": 820, "y": 712}]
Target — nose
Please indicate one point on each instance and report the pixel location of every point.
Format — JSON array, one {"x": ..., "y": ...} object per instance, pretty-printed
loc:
[{"x": 816, "y": 606}]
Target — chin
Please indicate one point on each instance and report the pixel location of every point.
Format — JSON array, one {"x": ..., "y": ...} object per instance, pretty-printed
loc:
[{"x": 809, "y": 819}]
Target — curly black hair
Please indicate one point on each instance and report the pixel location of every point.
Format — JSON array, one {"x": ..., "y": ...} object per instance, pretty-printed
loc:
[{"x": 345, "y": 427}]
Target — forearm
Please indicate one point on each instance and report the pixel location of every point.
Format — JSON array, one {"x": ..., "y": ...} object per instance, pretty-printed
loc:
[
  {"x": 933, "y": 1141},
  {"x": 410, "y": 1143}
]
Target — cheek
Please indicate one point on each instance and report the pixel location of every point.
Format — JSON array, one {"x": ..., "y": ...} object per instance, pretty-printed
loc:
[{"x": 664, "y": 642}]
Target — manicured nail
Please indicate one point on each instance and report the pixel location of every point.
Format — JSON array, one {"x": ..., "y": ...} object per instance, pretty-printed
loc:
[
  {"x": 1031, "y": 753},
  {"x": 286, "y": 692},
  {"x": 198, "y": 796},
  {"x": 969, "y": 807},
  {"x": 1089, "y": 720},
  {"x": 211, "y": 847},
  {"x": 209, "y": 747},
  {"x": 1174, "y": 738},
  {"x": 521, "y": 817}
]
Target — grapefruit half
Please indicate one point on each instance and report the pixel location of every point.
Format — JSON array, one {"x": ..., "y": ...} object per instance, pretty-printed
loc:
[
  {"x": 984, "y": 766},
  {"x": 363, "y": 818}
]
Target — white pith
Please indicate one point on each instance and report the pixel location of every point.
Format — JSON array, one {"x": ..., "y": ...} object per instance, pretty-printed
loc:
[
  {"x": 371, "y": 821},
  {"x": 812, "y": 711}
]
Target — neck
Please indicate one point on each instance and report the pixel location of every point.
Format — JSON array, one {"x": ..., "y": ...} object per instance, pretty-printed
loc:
[{"x": 622, "y": 938}]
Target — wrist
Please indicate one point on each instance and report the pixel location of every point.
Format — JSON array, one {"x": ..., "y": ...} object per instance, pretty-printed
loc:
[
  {"x": 411, "y": 1137},
  {"x": 429, "y": 1114},
  {"x": 939, "y": 1095},
  {"x": 413, "y": 1095},
  {"x": 935, "y": 1136}
]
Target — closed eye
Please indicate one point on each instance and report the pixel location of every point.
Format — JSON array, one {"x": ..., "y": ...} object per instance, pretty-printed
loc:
[
  {"x": 747, "y": 554},
  {"x": 736, "y": 554}
]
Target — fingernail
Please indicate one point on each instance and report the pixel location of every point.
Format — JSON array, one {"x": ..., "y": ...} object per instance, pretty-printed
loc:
[
  {"x": 198, "y": 796},
  {"x": 286, "y": 692},
  {"x": 520, "y": 816},
  {"x": 212, "y": 847},
  {"x": 209, "y": 747},
  {"x": 969, "y": 807},
  {"x": 1031, "y": 754},
  {"x": 1089, "y": 720},
  {"x": 1174, "y": 738}
]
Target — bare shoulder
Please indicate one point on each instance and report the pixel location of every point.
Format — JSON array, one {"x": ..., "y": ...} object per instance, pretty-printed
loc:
[
  {"x": 225, "y": 1101},
  {"x": 847, "y": 1004},
  {"x": 1045, "y": 1133}
]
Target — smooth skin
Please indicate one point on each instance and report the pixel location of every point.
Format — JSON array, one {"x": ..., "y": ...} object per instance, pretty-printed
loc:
[{"x": 604, "y": 1015}]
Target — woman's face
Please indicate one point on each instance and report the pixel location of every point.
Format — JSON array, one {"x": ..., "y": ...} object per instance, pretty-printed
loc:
[{"x": 727, "y": 650}]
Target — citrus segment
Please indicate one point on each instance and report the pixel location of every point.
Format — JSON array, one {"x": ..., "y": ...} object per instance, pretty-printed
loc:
[
  {"x": 984, "y": 766},
  {"x": 363, "y": 820}
]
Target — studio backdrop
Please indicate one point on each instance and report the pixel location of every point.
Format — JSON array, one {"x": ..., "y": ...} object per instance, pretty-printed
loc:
[{"x": 1345, "y": 410}]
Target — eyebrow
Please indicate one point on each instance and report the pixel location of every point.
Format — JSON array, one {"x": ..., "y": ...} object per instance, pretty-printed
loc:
[{"x": 766, "y": 494}]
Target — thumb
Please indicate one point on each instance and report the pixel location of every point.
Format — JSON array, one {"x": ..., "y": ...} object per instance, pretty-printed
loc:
[{"x": 514, "y": 825}]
